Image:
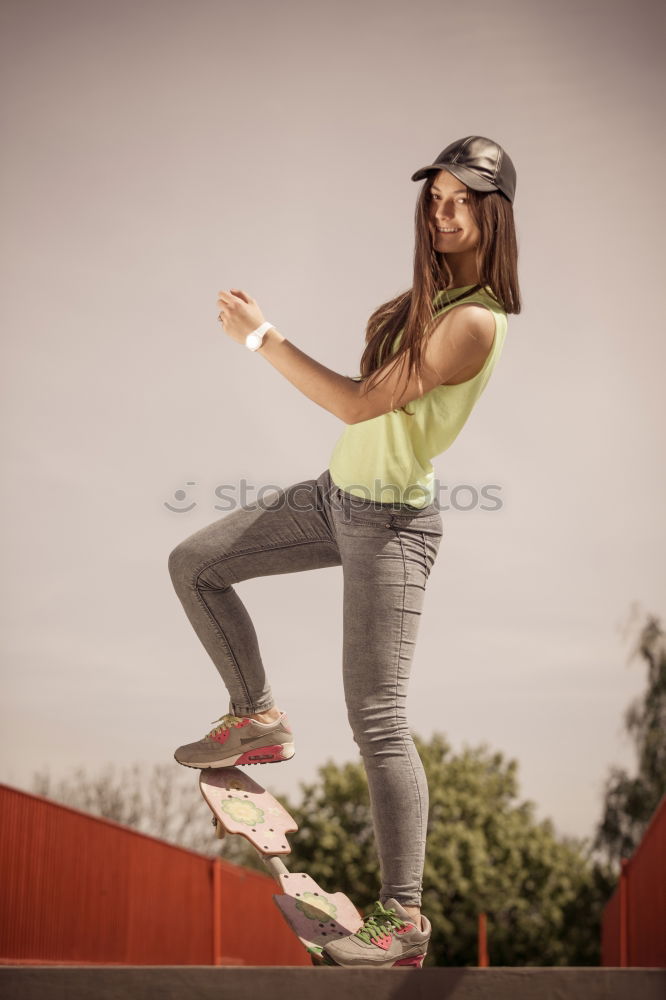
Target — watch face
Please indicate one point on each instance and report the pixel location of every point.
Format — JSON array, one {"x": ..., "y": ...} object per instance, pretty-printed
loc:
[{"x": 254, "y": 341}]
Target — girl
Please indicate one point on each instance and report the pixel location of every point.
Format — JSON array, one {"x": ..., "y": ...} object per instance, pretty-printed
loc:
[{"x": 428, "y": 355}]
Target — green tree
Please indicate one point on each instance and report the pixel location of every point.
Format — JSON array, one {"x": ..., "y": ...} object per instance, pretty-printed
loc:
[
  {"x": 630, "y": 802},
  {"x": 485, "y": 852}
]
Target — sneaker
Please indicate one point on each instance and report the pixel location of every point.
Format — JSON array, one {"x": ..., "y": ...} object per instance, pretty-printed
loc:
[
  {"x": 388, "y": 937},
  {"x": 240, "y": 740}
]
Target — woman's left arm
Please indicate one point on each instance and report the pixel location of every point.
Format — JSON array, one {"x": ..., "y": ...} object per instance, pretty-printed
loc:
[{"x": 338, "y": 394}]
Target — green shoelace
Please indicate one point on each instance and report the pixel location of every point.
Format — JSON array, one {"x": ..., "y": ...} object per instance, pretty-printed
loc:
[
  {"x": 227, "y": 721},
  {"x": 378, "y": 922}
]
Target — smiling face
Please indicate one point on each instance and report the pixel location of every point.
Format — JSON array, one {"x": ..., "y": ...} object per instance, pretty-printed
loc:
[{"x": 448, "y": 208}]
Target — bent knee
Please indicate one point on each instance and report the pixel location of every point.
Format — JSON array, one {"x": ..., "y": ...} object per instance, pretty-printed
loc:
[
  {"x": 182, "y": 562},
  {"x": 188, "y": 567}
]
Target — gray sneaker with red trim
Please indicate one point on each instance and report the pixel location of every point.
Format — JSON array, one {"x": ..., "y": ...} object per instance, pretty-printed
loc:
[
  {"x": 240, "y": 740},
  {"x": 389, "y": 937}
]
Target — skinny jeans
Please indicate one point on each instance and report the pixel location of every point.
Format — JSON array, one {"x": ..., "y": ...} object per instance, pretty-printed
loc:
[{"x": 386, "y": 551}]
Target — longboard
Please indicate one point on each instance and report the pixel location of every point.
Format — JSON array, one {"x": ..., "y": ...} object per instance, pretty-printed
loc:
[{"x": 241, "y": 806}]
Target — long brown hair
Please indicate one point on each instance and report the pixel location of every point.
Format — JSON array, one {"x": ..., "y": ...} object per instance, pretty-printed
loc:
[{"x": 497, "y": 263}]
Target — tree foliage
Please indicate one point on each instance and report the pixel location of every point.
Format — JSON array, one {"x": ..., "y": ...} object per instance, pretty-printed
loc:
[
  {"x": 630, "y": 802},
  {"x": 485, "y": 852}
]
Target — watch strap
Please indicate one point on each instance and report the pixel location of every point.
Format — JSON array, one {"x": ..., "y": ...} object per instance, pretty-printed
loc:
[{"x": 255, "y": 339}]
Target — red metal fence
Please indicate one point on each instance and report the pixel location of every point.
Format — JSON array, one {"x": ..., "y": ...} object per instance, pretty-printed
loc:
[
  {"x": 633, "y": 931},
  {"x": 78, "y": 889}
]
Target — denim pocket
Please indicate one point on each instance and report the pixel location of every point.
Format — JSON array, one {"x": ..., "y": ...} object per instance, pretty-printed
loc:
[
  {"x": 430, "y": 523},
  {"x": 365, "y": 517}
]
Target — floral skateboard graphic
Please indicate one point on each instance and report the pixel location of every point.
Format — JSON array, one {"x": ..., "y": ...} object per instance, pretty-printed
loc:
[
  {"x": 314, "y": 915},
  {"x": 241, "y": 806}
]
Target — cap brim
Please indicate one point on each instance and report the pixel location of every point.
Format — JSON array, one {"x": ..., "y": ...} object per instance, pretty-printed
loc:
[{"x": 462, "y": 173}]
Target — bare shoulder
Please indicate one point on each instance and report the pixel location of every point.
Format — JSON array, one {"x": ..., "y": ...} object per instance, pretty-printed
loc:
[
  {"x": 472, "y": 320},
  {"x": 472, "y": 327}
]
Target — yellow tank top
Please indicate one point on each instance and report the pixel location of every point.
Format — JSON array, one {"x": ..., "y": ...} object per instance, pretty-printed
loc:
[{"x": 388, "y": 458}]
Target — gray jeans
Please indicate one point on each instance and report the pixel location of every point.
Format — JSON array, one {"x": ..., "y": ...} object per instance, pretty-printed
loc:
[{"x": 386, "y": 552}]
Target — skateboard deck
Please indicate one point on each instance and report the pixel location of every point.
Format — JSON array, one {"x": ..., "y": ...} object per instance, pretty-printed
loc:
[
  {"x": 241, "y": 806},
  {"x": 315, "y": 916}
]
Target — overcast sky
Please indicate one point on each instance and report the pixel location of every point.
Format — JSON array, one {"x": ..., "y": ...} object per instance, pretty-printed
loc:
[{"x": 155, "y": 152}]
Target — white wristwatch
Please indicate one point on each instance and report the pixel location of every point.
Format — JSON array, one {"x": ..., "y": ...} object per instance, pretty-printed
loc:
[{"x": 255, "y": 339}]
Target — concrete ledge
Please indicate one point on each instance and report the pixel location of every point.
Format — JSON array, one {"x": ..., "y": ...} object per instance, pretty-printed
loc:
[{"x": 179, "y": 982}]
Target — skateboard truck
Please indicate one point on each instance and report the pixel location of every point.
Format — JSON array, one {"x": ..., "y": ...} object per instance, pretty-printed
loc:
[{"x": 241, "y": 806}]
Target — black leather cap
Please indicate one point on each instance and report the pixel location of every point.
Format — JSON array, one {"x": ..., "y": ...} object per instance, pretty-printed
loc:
[{"x": 478, "y": 162}]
